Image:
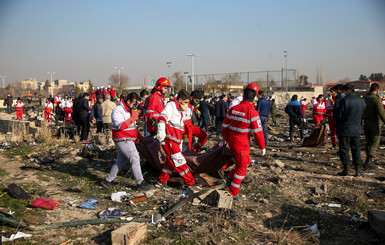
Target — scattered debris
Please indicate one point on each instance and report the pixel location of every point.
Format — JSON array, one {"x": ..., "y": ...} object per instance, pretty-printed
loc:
[
  {"x": 18, "y": 235},
  {"x": 17, "y": 192},
  {"x": 45, "y": 203},
  {"x": 90, "y": 204},
  {"x": 313, "y": 229}
]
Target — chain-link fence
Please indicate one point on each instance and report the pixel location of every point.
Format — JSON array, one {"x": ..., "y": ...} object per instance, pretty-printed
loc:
[{"x": 280, "y": 78}]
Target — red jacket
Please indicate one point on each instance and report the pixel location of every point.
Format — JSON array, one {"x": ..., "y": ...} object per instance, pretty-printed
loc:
[
  {"x": 154, "y": 107},
  {"x": 173, "y": 118},
  {"x": 120, "y": 130},
  {"x": 112, "y": 93},
  {"x": 239, "y": 122},
  {"x": 319, "y": 107}
]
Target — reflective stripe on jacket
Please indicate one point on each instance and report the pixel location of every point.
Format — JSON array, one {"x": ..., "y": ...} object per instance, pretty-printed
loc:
[
  {"x": 173, "y": 118},
  {"x": 240, "y": 121},
  {"x": 121, "y": 131}
]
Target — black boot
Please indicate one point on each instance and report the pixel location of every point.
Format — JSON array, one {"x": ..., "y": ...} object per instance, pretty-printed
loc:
[
  {"x": 358, "y": 172},
  {"x": 368, "y": 163},
  {"x": 344, "y": 172}
]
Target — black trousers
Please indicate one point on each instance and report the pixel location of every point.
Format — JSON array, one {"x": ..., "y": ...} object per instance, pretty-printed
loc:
[
  {"x": 84, "y": 128},
  {"x": 295, "y": 121},
  {"x": 99, "y": 127},
  {"x": 218, "y": 124},
  {"x": 353, "y": 143}
]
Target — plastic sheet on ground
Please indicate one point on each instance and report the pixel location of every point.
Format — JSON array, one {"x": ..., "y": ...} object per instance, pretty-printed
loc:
[
  {"x": 90, "y": 204},
  {"x": 18, "y": 235}
]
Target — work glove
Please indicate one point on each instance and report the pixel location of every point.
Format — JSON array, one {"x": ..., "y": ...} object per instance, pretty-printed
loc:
[
  {"x": 132, "y": 119},
  {"x": 263, "y": 152},
  {"x": 304, "y": 120},
  {"x": 161, "y": 135}
]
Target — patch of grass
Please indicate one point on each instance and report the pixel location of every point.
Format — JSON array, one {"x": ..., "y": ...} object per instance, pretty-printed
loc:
[
  {"x": 21, "y": 150},
  {"x": 3, "y": 172}
]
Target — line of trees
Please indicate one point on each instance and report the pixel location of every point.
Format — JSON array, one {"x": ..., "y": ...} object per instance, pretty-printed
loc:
[{"x": 372, "y": 77}]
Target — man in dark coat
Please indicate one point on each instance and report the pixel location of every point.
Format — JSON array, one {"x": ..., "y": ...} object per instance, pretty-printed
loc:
[
  {"x": 373, "y": 115},
  {"x": 263, "y": 108},
  {"x": 221, "y": 109},
  {"x": 84, "y": 117},
  {"x": 348, "y": 115},
  {"x": 294, "y": 110},
  {"x": 204, "y": 108}
]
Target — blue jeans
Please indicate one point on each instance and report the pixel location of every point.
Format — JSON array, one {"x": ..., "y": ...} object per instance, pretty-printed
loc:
[
  {"x": 9, "y": 109},
  {"x": 264, "y": 127}
]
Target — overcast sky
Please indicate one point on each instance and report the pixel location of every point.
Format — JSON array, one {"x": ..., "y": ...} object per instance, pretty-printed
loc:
[{"x": 86, "y": 39}]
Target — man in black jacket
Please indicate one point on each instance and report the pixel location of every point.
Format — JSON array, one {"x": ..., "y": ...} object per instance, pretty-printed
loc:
[
  {"x": 348, "y": 115},
  {"x": 294, "y": 110},
  {"x": 204, "y": 108},
  {"x": 221, "y": 109},
  {"x": 84, "y": 117}
]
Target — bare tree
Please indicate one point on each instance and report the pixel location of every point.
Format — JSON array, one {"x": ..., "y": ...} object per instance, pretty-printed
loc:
[
  {"x": 177, "y": 77},
  {"x": 121, "y": 83}
]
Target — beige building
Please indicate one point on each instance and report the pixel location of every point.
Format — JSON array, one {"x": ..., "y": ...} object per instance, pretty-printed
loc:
[{"x": 29, "y": 84}]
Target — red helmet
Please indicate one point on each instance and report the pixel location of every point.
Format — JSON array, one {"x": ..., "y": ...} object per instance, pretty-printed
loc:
[
  {"x": 253, "y": 86},
  {"x": 162, "y": 82}
]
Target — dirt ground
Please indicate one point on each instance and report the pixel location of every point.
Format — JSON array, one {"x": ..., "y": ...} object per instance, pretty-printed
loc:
[{"x": 290, "y": 189}]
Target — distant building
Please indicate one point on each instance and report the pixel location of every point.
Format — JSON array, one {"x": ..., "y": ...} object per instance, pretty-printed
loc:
[{"x": 29, "y": 84}]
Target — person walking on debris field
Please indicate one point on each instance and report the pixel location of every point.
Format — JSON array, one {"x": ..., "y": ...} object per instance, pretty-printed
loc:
[
  {"x": 48, "y": 108},
  {"x": 237, "y": 125},
  {"x": 329, "y": 113},
  {"x": 106, "y": 109},
  {"x": 373, "y": 115},
  {"x": 8, "y": 102},
  {"x": 221, "y": 109},
  {"x": 205, "y": 108},
  {"x": 84, "y": 112},
  {"x": 19, "y": 107},
  {"x": 57, "y": 101},
  {"x": 170, "y": 132},
  {"x": 304, "y": 105},
  {"x": 124, "y": 134},
  {"x": 263, "y": 108},
  {"x": 96, "y": 114},
  {"x": 296, "y": 117},
  {"x": 68, "y": 109},
  {"x": 319, "y": 109},
  {"x": 348, "y": 116},
  {"x": 155, "y": 104},
  {"x": 191, "y": 130},
  {"x": 273, "y": 111}
]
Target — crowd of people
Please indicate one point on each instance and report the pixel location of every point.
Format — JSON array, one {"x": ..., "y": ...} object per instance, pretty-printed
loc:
[{"x": 177, "y": 120}]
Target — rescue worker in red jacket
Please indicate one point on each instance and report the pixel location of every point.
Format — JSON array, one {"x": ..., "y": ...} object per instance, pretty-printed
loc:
[
  {"x": 170, "y": 131},
  {"x": 19, "y": 106},
  {"x": 93, "y": 96},
  {"x": 57, "y": 102},
  {"x": 113, "y": 93},
  {"x": 48, "y": 108},
  {"x": 304, "y": 105},
  {"x": 190, "y": 129},
  {"x": 155, "y": 104},
  {"x": 319, "y": 109},
  {"x": 329, "y": 113},
  {"x": 237, "y": 125}
]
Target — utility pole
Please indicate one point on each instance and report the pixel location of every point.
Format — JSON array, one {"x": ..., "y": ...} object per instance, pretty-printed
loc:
[
  {"x": 285, "y": 54},
  {"x": 120, "y": 84},
  {"x": 192, "y": 68},
  {"x": 185, "y": 74}
]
